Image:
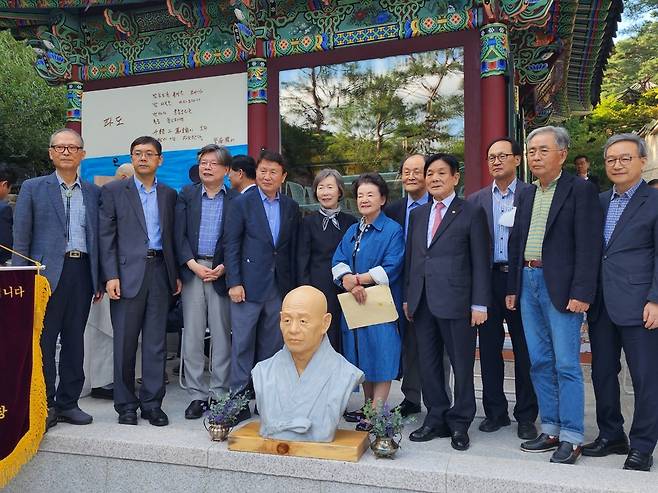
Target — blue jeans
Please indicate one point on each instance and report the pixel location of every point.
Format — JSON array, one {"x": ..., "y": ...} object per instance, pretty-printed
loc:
[{"x": 553, "y": 339}]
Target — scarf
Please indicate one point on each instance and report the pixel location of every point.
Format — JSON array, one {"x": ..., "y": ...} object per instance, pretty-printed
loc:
[{"x": 329, "y": 215}]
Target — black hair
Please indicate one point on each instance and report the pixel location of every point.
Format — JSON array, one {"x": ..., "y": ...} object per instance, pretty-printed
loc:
[
  {"x": 516, "y": 147},
  {"x": 373, "y": 178},
  {"x": 246, "y": 164},
  {"x": 7, "y": 174},
  {"x": 146, "y": 140},
  {"x": 449, "y": 159},
  {"x": 581, "y": 156},
  {"x": 275, "y": 157}
]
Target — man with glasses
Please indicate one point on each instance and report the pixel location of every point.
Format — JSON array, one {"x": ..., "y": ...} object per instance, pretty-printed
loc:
[
  {"x": 499, "y": 201},
  {"x": 625, "y": 313},
  {"x": 554, "y": 255},
  {"x": 141, "y": 272},
  {"x": 56, "y": 223},
  {"x": 200, "y": 213}
]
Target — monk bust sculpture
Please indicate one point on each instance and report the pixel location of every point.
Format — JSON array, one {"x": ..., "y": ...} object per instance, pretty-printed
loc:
[{"x": 302, "y": 391}]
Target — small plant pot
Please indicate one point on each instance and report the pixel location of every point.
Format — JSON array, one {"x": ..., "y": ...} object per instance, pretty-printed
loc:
[
  {"x": 217, "y": 432},
  {"x": 384, "y": 447}
]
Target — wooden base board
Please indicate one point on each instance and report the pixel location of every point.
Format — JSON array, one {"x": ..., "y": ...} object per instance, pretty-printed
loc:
[{"x": 348, "y": 445}]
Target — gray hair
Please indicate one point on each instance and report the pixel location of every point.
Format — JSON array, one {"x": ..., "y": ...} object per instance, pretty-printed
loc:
[
  {"x": 639, "y": 142},
  {"x": 66, "y": 130},
  {"x": 560, "y": 134},
  {"x": 326, "y": 173},
  {"x": 222, "y": 153}
]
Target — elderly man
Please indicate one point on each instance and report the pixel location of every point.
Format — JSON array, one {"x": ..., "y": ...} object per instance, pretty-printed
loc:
[
  {"x": 625, "y": 314},
  {"x": 554, "y": 255},
  {"x": 56, "y": 223},
  {"x": 200, "y": 213},
  {"x": 302, "y": 390}
]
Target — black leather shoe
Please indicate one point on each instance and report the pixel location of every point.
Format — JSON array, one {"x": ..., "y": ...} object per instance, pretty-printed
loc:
[
  {"x": 74, "y": 416},
  {"x": 407, "y": 408},
  {"x": 51, "y": 419},
  {"x": 427, "y": 433},
  {"x": 354, "y": 416},
  {"x": 128, "y": 418},
  {"x": 566, "y": 453},
  {"x": 489, "y": 425},
  {"x": 638, "y": 461},
  {"x": 602, "y": 447},
  {"x": 526, "y": 430},
  {"x": 196, "y": 409},
  {"x": 102, "y": 393},
  {"x": 156, "y": 416},
  {"x": 543, "y": 443},
  {"x": 459, "y": 440},
  {"x": 363, "y": 426},
  {"x": 243, "y": 415}
]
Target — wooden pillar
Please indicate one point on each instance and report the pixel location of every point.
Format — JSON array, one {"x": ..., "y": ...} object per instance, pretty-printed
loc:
[
  {"x": 493, "y": 85},
  {"x": 257, "y": 101}
]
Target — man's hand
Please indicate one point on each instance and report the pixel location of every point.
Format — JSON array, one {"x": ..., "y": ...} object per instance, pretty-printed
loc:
[
  {"x": 113, "y": 289},
  {"x": 98, "y": 296},
  {"x": 405, "y": 309},
  {"x": 179, "y": 287},
  {"x": 577, "y": 306},
  {"x": 510, "y": 302},
  {"x": 359, "y": 293},
  {"x": 201, "y": 271},
  {"x": 349, "y": 282},
  {"x": 650, "y": 315},
  {"x": 478, "y": 318},
  {"x": 236, "y": 293},
  {"x": 215, "y": 273}
]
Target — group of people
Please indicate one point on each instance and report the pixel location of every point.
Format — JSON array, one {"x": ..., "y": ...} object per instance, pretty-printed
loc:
[{"x": 534, "y": 257}]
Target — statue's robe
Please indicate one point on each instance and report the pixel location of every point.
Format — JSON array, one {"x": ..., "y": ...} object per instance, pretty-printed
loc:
[{"x": 307, "y": 407}]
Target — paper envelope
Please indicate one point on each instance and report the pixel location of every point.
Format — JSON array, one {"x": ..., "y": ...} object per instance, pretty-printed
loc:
[{"x": 379, "y": 307}]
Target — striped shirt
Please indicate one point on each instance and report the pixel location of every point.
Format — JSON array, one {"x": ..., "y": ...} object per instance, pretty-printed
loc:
[
  {"x": 149, "y": 200},
  {"x": 616, "y": 208},
  {"x": 77, "y": 220},
  {"x": 211, "y": 218},
  {"x": 501, "y": 204},
  {"x": 540, "y": 209}
]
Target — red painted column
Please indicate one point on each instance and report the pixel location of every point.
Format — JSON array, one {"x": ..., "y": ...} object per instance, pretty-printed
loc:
[{"x": 257, "y": 101}]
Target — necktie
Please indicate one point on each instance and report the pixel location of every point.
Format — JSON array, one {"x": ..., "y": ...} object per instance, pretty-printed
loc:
[{"x": 437, "y": 217}]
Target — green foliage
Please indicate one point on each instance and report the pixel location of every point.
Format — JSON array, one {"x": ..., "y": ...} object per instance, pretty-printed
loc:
[
  {"x": 30, "y": 110},
  {"x": 385, "y": 422}
]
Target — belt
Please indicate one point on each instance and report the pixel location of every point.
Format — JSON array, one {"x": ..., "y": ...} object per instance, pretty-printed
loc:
[
  {"x": 75, "y": 254},
  {"x": 533, "y": 264},
  {"x": 205, "y": 257},
  {"x": 501, "y": 267},
  {"x": 153, "y": 253}
]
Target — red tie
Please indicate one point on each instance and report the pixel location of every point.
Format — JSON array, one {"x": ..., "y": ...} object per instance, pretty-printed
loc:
[{"x": 437, "y": 217}]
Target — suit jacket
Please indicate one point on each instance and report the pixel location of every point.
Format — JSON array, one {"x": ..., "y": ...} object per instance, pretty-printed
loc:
[
  {"x": 6, "y": 238},
  {"x": 188, "y": 223},
  {"x": 455, "y": 271},
  {"x": 571, "y": 250},
  {"x": 484, "y": 198},
  {"x": 124, "y": 238},
  {"x": 629, "y": 266},
  {"x": 398, "y": 210},
  {"x": 250, "y": 257},
  {"x": 40, "y": 226}
]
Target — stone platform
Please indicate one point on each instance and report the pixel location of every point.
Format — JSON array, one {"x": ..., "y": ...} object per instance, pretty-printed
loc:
[{"x": 108, "y": 457}]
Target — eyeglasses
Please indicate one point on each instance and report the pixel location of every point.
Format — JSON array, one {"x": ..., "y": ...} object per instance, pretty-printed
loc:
[
  {"x": 71, "y": 149},
  {"x": 502, "y": 157},
  {"x": 624, "y": 160},
  {"x": 416, "y": 172},
  {"x": 147, "y": 154},
  {"x": 543, "y": 152},
  {"x": 208, "y": 164}
]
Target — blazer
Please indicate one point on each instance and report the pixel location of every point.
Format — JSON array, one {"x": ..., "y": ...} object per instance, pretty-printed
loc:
[
  {"x": 629, "y": 266},
  {"x": 124, "y": 238},
  {"x": 187, "y": 224},
  {"x": 398, "y": 210},
  {"x": 484, "y": 198},
  {"x": 455, "y": 271},
  {"x": 252, "y": 260},
  {"x": 40, "y": 226},
  {"x": 6, "y": 237},
  {"x": 571, "y": 250}
]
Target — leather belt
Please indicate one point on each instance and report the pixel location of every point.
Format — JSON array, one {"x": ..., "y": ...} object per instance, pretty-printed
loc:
[
  {"x": 205, "y": 257},
  {"x": 501, "y": 267},
  {"x": 75, "y": 254},
  {"x": 533, "y": 264},
  {"x": 153, "y": 253}
]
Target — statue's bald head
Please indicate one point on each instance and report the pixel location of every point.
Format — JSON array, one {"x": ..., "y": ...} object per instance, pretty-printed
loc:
[
  {"x": 307, "y": 296},
  {"x": 124, "y": 171}
]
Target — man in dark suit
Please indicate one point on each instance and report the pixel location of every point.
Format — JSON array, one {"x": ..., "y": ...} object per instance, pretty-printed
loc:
[
  {"x": 56, "y": 224},
  {"x": 582, "y": 165},
  {"x": 499, "y": 201},
  {"x": 242, "y": 174},
  {"x": 200, "y": 215},
  {"x": 7, "y": 179},
  {"x": 141, "y": 272},
  {"x": 447, "y": 290},
  {"x": 625, "y": 313},
  {"x": 259, "y": 252},
  {"x": 554, "y": 256}
]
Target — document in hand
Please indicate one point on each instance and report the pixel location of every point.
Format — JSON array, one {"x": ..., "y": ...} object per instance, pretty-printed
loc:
[{"x": 379, "y": 307}]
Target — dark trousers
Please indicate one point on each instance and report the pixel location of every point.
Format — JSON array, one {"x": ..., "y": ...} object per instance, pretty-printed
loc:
[
  {"x": 145, "y": 313},
  {"x": 411, "y": 386},
  {"x": 458, "y": 338},
  {"x": 66, "y": 316},
  {"x": 492, "y": 338},
  {"x": 641, "y": 349}
]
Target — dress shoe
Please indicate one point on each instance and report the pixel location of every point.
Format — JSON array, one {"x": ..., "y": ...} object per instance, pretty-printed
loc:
[
  {"x": 74, "y": 416},
  {"x": 106, "y": 392},
  {"x": 156, "y": 416},
  {"x": 526, "y": 430},
  {"x": 363, "y": 426},
  {"x": 51, "y": 419},
  {"x": 196, "y": 409},
  {"x": 128, "y": 418},
  {"x": 566, "y": 453},
  {"x": 602, "y": 447},
  {"x": 243, "y": 415},
  {"x": 459, "y": 440},
  {"x": 427, "y": 433},
  {"x": 406, "y": 408},
  {"x": 543, "y": 443},
  {"x": 638, "y": 461},
  {"x": 354, "y": 416},
  {"x": 489, "y": 425}
]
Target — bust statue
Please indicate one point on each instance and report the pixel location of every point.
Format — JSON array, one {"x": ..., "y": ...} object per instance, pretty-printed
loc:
[{"x": 302, "y": 391}]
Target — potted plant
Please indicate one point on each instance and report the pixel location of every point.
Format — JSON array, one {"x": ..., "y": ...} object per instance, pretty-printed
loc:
[
  {"x": 221, "y": 415},
  {"x": 384, "y": 424}
]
